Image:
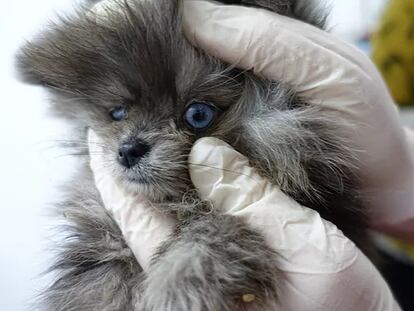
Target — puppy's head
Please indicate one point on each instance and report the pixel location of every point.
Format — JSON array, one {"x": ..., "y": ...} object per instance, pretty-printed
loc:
[{"x": 127, "y": 72}]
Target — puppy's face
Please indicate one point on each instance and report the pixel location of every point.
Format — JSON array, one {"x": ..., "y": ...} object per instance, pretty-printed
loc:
[
  {"x": 130, "y": 75},
  {"x": 127, "y": 72}
]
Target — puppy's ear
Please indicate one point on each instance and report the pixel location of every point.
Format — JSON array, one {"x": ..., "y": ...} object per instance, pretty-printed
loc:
[
  {"x": 75, "y": 54},
  {"x": 94, "y": 51},
  {"x": 34, "y": 64},
  {"x": 50, "y": 58}
]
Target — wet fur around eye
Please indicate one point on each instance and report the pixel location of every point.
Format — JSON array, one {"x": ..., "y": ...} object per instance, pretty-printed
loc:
[{"x": 135, "y": 56}]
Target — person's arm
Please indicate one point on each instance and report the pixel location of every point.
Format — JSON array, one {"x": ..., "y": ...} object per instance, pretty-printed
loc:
[{"x": 328, "y": 72}]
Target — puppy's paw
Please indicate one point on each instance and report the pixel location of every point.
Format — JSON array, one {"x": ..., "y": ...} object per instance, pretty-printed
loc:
[{"x": 213, "y": 263}]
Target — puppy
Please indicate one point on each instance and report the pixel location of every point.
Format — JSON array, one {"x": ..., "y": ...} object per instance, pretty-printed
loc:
[{"x": 129, "y": 74}]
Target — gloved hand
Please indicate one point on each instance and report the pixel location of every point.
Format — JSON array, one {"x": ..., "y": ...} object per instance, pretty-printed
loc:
[
  {"x": 321, "y": 269},
  {"x": 328, "y": 72}
]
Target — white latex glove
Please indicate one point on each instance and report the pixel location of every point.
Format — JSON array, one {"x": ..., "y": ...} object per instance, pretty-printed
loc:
[
  {"x": 330, "y": 73},
  {"x": 320, "y": 268}
]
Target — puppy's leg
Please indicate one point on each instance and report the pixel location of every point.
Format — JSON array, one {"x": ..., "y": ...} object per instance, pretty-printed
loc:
[{"x": 213, "y": 263}]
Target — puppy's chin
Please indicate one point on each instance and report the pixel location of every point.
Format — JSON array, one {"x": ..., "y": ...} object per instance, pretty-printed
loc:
[
  {"x": 149, "y": 191},
  {"x": 153, "y": 188}
]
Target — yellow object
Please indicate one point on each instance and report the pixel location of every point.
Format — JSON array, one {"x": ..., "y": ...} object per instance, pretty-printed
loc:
[
  {"x": 249, "y": 298},
  {"x": 404, "y": 248},
  {"x": 393, "y": 53},
  {"x": 393, "y": 50}
]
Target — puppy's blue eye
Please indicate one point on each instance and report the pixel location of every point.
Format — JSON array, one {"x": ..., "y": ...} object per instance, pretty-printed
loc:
[
  {"x": 118, "y": 114},
  {"x": 199, "y": 115}
]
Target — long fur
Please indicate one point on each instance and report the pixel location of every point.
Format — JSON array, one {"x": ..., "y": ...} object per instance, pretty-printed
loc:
[{"x": 136, "y": 55}]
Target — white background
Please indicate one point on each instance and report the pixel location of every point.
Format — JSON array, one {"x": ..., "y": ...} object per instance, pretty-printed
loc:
[{"x": 31, "y": 165}]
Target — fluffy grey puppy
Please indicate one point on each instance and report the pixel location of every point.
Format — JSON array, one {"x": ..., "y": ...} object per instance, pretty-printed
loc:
[{"x": 149, "y": 94}]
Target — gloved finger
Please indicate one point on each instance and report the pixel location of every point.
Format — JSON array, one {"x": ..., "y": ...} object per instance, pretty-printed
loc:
[
  {"x": 310, "y": 250},
  {"x": 274, "y": 46},
  {"x": 143, "y": 227}
]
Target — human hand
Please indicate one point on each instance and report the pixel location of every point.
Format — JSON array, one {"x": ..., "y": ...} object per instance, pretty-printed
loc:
[{"x": 329, "y": 73}]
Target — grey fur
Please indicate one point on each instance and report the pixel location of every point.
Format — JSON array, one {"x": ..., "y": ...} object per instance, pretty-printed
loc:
[
  {"x": 204, "y": 267},
  {"x": 139, "y": 58}
]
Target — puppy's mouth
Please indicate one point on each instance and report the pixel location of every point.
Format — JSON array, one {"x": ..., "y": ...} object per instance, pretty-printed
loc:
[
  {"x": 134, "y": 176},
  {"x": 157, "y": 182},
  {"x": 138, "y": 173}
]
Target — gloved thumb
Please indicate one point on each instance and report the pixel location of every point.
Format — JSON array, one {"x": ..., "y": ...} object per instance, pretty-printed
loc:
[{"x": 223, "y": 176}]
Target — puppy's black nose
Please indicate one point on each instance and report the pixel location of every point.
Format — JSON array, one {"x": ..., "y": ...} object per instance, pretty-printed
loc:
[{"x": 130, "y": 154}]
